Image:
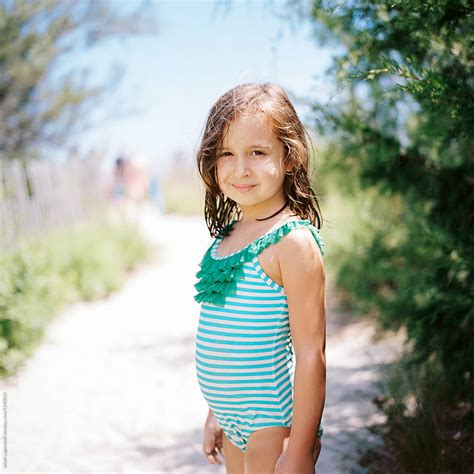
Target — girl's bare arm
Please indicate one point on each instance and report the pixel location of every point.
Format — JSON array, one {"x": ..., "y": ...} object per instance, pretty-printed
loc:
[{"x": 303, "y": 276}]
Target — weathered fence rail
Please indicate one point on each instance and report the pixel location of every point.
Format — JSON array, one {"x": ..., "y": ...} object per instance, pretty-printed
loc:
[{"x": 41, "y": 195}]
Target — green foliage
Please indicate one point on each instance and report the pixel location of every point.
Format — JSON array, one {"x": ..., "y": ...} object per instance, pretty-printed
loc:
[
  {"x": 403, "y": 128},
  {"x": 42, "y": 276},
  {"x": 36, "y": 107},
  {"x": 401, "y": 150},
  {"x": 429, "y": 430}
]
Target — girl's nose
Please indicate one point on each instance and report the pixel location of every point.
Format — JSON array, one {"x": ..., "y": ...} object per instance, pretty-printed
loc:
[{"x": 241, "y": 166}]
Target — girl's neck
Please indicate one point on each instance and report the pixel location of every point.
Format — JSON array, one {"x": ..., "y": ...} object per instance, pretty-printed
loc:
[
  {"x": 282, "y": 216},
  {"x": 256, "y": 214}
]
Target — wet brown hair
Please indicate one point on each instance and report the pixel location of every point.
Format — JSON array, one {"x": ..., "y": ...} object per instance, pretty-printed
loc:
[{"x": 273, "y": 101}]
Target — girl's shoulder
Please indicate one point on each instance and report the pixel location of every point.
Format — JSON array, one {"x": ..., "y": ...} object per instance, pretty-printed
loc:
[
  {"x": 299, "y": 255},
  {"x": 300, "y": 233}
]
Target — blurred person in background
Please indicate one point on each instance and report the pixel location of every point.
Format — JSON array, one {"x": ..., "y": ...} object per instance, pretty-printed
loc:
[
  {"x": 137, "y": 179},
  {"x": 117, "y": 188}
]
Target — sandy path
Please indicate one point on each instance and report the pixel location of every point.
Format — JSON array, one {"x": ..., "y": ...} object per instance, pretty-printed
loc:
[{"x": 113, "y": 387}]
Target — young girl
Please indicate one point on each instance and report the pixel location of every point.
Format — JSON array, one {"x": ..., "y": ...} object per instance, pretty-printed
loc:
[{"x": 261, "y": 288}]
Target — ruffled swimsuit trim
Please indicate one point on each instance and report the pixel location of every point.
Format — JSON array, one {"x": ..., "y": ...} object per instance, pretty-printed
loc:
[{"x": 218, "y": 275}]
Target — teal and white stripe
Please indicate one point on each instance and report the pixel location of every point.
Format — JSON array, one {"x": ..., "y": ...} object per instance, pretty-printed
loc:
[{"x": 244, "y": 357}]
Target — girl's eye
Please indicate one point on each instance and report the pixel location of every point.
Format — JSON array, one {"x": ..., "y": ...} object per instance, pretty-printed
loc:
[{"x": 228, "y": 153}]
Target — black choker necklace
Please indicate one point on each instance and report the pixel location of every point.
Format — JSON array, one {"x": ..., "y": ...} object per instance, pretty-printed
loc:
[{"x": 265, "y": 218}]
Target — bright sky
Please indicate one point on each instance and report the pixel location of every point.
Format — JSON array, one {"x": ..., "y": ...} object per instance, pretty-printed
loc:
[{"x": 202, "y": 50}]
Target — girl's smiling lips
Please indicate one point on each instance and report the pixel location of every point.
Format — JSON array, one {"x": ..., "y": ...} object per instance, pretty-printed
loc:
[{"x": 244, "y": 188}]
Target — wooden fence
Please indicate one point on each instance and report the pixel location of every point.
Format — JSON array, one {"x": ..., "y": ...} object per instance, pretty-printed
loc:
[{"x": 41, "y": 195}]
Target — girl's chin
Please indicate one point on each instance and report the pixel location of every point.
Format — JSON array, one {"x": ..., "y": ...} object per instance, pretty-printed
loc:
[
  {"x": 244, "y": 198},
  {"x": 243, "y": 202}
]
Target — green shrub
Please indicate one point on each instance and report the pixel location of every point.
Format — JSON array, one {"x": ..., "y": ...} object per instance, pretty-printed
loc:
[
  {"x": 41, "y": 276},
  {"x": 403, "y": 131},
  {"x": 428, "y": 428}
]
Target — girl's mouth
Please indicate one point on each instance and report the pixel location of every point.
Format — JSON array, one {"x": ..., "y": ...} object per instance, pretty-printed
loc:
[{"x": 244, "y": 189}]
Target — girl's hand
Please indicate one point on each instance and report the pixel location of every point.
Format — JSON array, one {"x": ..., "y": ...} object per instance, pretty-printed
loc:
[
  {"x": 290, "y": 464},
  {"x": 212, "y": 440}
]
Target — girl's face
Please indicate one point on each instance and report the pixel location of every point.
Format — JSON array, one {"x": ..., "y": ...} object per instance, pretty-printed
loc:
[{"x": 250, "y": 169}]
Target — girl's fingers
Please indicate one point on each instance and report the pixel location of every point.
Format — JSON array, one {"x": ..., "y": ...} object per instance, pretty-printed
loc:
[{"x": 213, "y": 458}]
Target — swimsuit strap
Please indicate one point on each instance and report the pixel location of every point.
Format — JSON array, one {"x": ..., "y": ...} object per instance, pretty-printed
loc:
[{"x": 218, "y": 275}]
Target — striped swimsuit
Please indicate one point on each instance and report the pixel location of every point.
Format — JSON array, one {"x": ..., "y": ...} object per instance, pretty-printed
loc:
[{"x": 244, "y": 357}]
